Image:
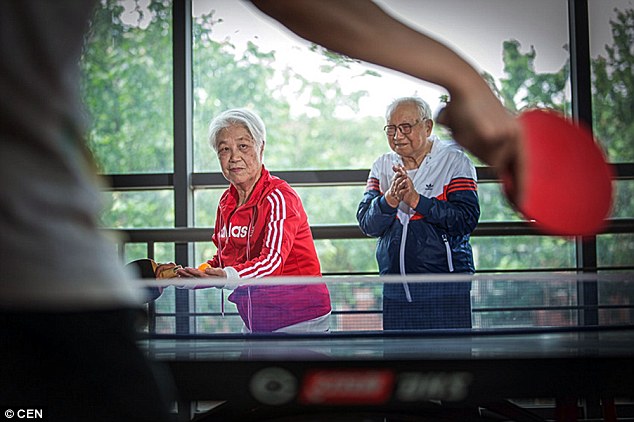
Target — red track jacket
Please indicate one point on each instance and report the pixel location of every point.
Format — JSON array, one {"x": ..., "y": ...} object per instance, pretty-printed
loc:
[{"x": 269, "y": 236}]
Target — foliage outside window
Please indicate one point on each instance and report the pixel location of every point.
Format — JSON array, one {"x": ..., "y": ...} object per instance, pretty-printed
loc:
[{"x": 127, "y": 89}]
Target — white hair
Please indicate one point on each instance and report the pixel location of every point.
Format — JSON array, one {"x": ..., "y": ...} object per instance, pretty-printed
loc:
[
  {"x": 423, "y": 108},
  {"x": 238, "y": 116}
]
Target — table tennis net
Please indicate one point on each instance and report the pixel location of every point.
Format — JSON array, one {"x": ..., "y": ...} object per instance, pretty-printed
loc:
[{"x": 423, "y": 302}]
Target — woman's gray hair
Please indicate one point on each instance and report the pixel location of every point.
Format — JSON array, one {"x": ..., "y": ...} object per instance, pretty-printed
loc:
[
  {"x": 238, "y": 116},
  {"x": 423, "y": 108}
]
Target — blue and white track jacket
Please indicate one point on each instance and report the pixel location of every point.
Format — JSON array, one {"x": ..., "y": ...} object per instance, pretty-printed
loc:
[{"x": 434, "y": 237}]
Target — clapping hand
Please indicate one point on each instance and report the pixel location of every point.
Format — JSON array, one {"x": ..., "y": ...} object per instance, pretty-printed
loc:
[{"x": 403, "y": 187}]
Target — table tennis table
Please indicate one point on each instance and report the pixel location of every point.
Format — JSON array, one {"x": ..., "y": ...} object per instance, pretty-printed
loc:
[{"x": 452, "y": 375}]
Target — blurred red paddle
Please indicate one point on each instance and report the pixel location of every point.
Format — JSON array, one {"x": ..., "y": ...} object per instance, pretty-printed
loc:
[{"x": 566, "y": 184}]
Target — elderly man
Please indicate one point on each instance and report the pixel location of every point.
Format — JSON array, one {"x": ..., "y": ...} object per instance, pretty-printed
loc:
[{"x": 421, "y": 202}]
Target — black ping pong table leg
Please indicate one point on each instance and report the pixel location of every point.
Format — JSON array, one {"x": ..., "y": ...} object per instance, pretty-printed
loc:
[
  {"x": 609, "y": 410},
  {"x": 185, "y": 412},
  {"x": 566, "y": 409}
]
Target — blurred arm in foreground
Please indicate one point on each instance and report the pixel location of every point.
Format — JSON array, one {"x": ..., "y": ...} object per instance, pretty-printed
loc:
[{"x": 362, "y": 30}]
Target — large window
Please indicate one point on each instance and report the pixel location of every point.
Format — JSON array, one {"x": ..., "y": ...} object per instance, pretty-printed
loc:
[
  {"x": 324, "y": 111},
  {"x": 324, "y": 115}
]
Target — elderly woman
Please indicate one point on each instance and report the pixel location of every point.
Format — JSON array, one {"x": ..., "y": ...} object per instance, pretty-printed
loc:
[
  {"x": 262, "y": 230},
  {"x": 421, "y": 202}
]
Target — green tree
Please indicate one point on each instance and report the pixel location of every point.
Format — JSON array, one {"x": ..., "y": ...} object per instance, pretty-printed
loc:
[
  {"x": 613, "y": 91},
  {"x": 523, "y": 87},
  {"x": 127, "y": 88},
  {"x": 612, "y": 87},
  {"x": 316, "y": 140}
]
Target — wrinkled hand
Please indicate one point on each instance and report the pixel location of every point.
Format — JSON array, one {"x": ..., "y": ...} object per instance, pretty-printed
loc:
[
  {"x": 391, "y": 196},
  {"x": 189, "y": 272},
  {"x": 404, "y": 187},
  {"x": 167, "y": 270}
]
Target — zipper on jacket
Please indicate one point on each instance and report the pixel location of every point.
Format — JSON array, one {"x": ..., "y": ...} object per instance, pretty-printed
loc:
[
  {"x": 249, "y": 310},
  {"x": 449, "y": 257},
  {"x": 408, "y": 295}
]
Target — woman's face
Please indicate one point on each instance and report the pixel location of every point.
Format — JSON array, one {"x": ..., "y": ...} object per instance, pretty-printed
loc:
[{"x": 240, "y": 159}]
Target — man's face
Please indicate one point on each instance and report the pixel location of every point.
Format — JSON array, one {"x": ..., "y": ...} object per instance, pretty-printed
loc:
[{"x": 414, "y": 143}]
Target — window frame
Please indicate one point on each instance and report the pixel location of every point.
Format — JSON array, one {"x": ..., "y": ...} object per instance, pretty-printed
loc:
[{"x": 183, "y": 180}]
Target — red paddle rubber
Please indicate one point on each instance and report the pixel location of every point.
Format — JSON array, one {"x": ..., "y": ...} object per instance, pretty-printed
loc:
[{"x": 567, "y": 184}]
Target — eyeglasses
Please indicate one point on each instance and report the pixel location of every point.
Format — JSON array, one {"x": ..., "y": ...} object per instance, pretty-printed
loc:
[{"x": 405, "y": 128}]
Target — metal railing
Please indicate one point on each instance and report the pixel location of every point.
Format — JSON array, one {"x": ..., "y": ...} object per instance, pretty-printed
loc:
[{"x": 587, "y": 308}]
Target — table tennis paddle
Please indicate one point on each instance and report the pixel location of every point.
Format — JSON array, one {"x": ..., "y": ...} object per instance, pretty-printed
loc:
[
  {"x": 565, "y": 187},
  {"x": 147, "y": 268}
]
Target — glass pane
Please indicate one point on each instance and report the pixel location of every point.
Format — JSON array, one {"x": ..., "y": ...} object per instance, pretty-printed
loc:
[
  {"x": 520, "y": 45},
  {"x": 205, "y": 206},
  {"x": 166, "y": 302},
  {"x": 331, "y": 204},
  {"x": 623, "y": 206},
  {"x": 165, "y": 325},
  {"x": 617, "y": 299},
  {"x": 203, "y": 251},
  {"x": 210, "y": 301},
  {"x": 494, "y": 205},
  {"x": 162, "y": 252},
  {"x": 138, "y": 209},
  {"x": 347, "y": 255},
  {"x": 615, "y": 250},
  {"x": 356, "y": 306},
  {"x": 219, "y": 324},
  {"x": 611, "y": 40},
  {"x": 325, "y": 111},
  {"x": 127, "y": 86},
  {"x": 493, "y": 302},
  {"x": 522, "y": 253}
]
